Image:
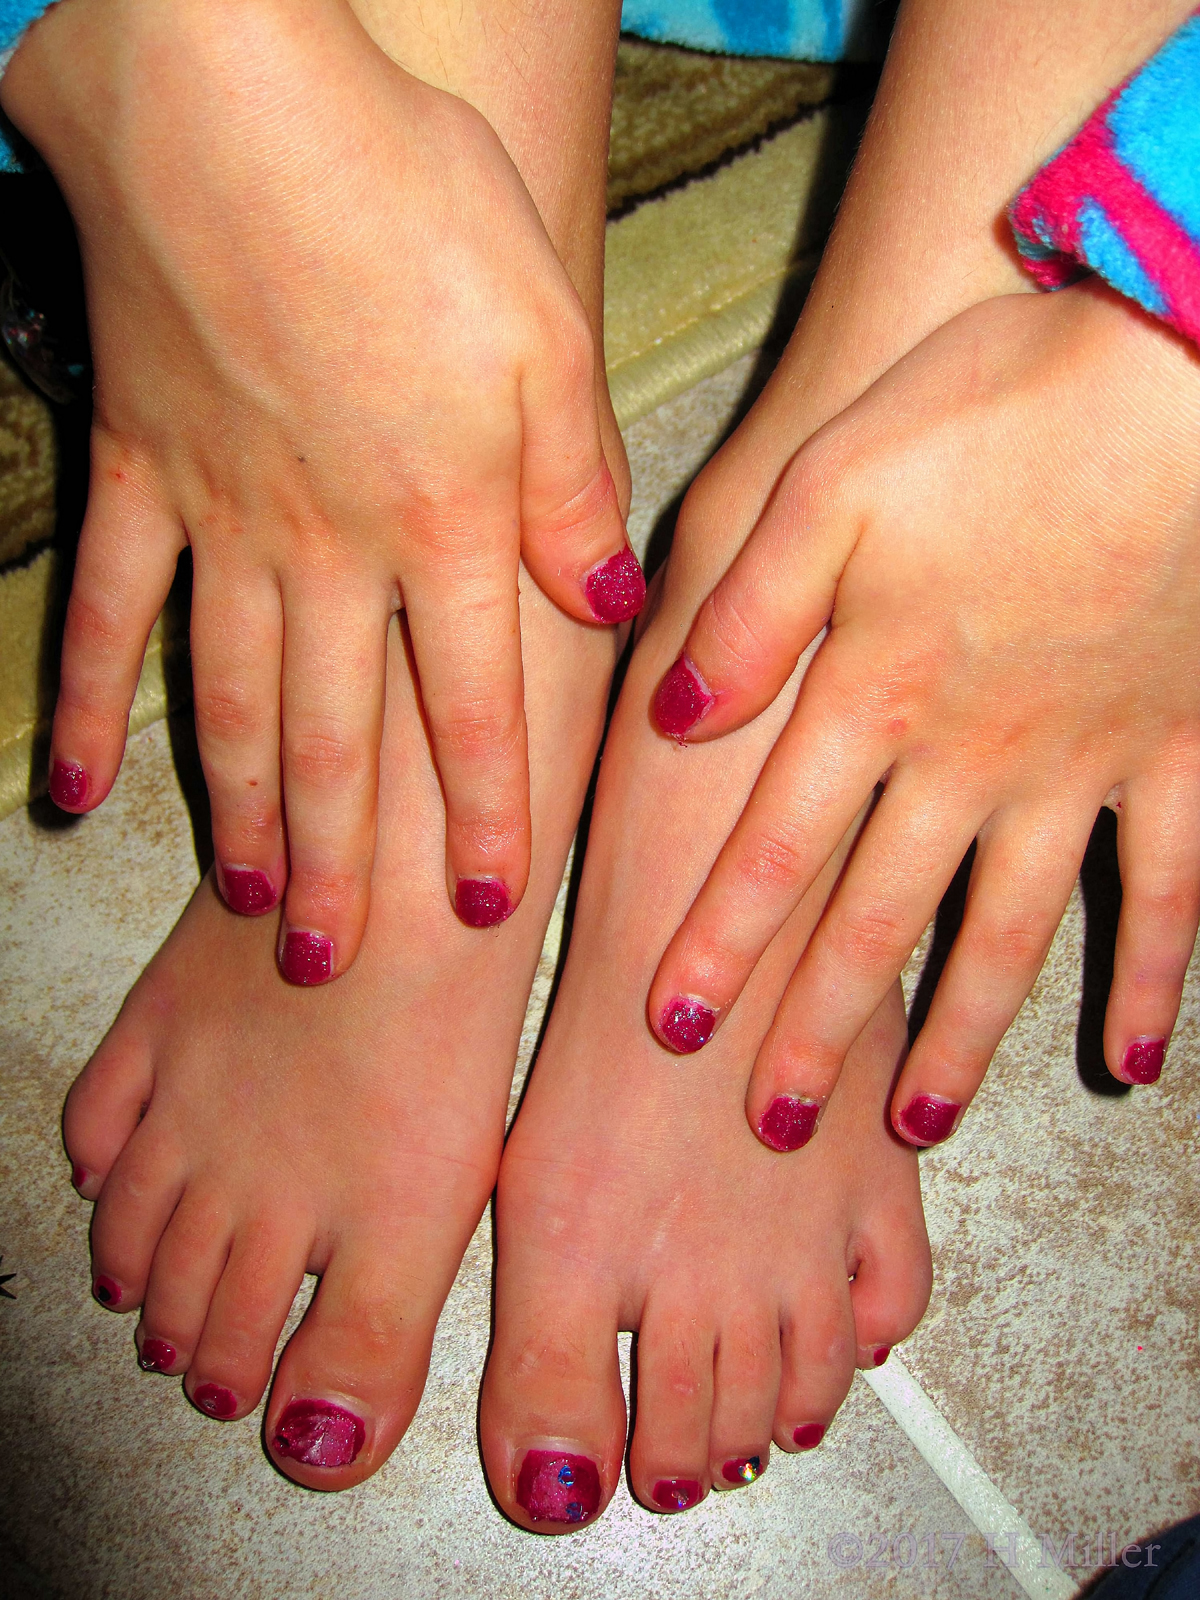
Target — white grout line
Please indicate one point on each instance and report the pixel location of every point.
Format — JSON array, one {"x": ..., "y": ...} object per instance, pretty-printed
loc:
[{"x": 1007, "y": 1532}]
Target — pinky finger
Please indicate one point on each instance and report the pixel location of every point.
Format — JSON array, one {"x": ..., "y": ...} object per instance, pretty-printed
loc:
[
  {"x": 1158, "y": 843},
  {"x": 126, "y": 562}
]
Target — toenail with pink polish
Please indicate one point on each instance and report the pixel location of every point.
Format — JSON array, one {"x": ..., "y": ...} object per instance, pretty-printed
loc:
[
  {"x": 742, "y": 1469},
  {"x": 788, "y": 1122},
  {"x": 686, "y": 1025},
  {"x": 68, "y": 785},
  {"x": 79, "y": 1176},
  {"x": 214, "y": 1400},
  {"x": 616, "y": 589},
  {"x": 107, "y": 1290},
  {"x": 482, "y": 902},
  {"x": 306, "y": 958},
  {"x": 247, "y": 891},
  {"x": 928, "y": 1118},
  {"x": 683, "y": 698},
  {"x": 156, "y": 1355},
  {"x": 318, "y": 1434},
  {"x": 676, "y": 1494},
  {"x": 557, "y": 1486},
  {"x": 880, "y": 1354},
  {"x": 1143, "y": 1060},
  {"x": 808, "y": 1435}
]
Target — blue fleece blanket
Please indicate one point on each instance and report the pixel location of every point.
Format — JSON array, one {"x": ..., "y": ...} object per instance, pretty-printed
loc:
[{"x": 808, "y": 30}]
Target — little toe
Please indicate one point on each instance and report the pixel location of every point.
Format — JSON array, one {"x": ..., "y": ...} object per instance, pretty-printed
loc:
[
  {"x": 892, "y": 1281},
  {"x": 746, "y": 1390},
  {"x": 139, "y": 1196},
  {"x": 819, "y": 1358},
  {"x": 232, "y": 1362},
  {"x": 187, "y": 1267},
  {"x": 668, "y": 1459},
  {"x": 104, "y": 1107},
  {"x": 552, "y": 1418}
]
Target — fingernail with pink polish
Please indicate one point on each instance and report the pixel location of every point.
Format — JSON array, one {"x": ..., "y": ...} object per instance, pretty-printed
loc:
[
  {"x": 1143, "y": 1060},
  {"x": 214, "y": 1400},
  {"x": 808, "y": 1435},
  {"x": 318, "y": 1434},
  {"x": 558, "y": 1486},
  {"x": 68, "y": 785},
  {"x": 306, "y": 958},
  {"x": 928, "y": 1118},
  {"x": 683, "y": 698},
  {"x": 676, "y": 1494},
  {"x": 482, "y": 902},
  {"x": 789, "y": 1122},
  {"x": 108, "y": 1291},
  {"x": 616, "y": 589},
  {"x": 156, "y": 1355},
  {"x": 742, "y": 1469},
  {"x": 247, "y": 891},
  {"x": 686, "y": 1025}
]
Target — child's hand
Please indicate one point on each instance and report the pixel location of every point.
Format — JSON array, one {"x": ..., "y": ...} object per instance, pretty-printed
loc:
[
  {"x": 1004, "y": 536},
  {"x": 337, "y": 355}
]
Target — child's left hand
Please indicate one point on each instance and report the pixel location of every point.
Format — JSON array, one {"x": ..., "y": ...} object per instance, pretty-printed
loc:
[{"x": 1003, "y": 535}]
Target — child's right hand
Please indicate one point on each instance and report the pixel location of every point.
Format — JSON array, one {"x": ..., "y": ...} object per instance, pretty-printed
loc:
[{"x": 336, "y": 354}]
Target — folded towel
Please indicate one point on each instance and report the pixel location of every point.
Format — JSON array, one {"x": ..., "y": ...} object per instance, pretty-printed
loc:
[
  {"x": 1122, "y": 199},
  {"x": 805, "y": 30}
]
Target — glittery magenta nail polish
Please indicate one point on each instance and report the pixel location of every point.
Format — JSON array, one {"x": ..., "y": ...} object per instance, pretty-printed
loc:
[
  {"x": 318, "y": 1434},
  {"x": 880, "y": 1354},
  {"x": 107, "y": 1290},
  {"x": 928, "y": 1118},
  {"x": 306, "y": 958},
  {"x": 616, "y": 589},
  {"x": 683, "y": 698},
  {"x": 247, "y": 891},
  {"x": 742, "y": 1469},
  {"x": 676, "y": 1494},
  {"x": 68, "y": 785},
  {"x": 156, "y": 1355},
  {"x": 482, "y": 902},
  {"x": 686, "y": 1024},
  {"x": 808, "y": 1435},
  {"x": 215, "y": 1401},
  {"x": 79, "y": 1176},
  {"x": 788, "y": 1122},
  {"x": 554, "y": 1486},
  {"x": 1143, "y": 1060}
]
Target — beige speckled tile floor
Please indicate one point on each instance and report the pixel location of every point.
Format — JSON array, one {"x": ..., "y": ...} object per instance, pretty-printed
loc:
[{"x": 1061, "y": 1343}]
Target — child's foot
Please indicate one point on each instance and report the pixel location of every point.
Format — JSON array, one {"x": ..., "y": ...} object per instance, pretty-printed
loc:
[
  {"x": 633, "y": 1195},
  {"x": 237, "y": 1132}
]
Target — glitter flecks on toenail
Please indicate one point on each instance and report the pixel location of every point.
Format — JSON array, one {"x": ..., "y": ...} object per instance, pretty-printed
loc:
[
  {"x": 686, "y": 1024},
  {"x": 1143, "y": 1060},
  {"x": 808, "y": 1435},
  {"x": 318, "y": 1433},
  {"x": 789, "y": 1122},
  {"x": 68, "y": 785},
  {"x": 214, "y": 1400},
  {"x": 306, "y": 958},
  {"x": 156, "y": 1355},
  {"x": 108, "y": 1291},
  {"x": 616, "y": 589},
  {"x": 558, "y": 1486},
  {"x": 683, "y": 699},
  {"x": 247, "y": 891},
  {"x": 482, "y": 902},
  {"x": 676, "y": 1494},
  {"x": 742, "y": 1469},
  {"x": 929, "y": 1118}
]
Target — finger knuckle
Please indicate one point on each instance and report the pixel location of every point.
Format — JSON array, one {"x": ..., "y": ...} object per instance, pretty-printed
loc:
[
  {"x": 870, "y": 936},
  {"x": 774, "y": 862},
  {"x": 326, "y": 758},
  {"x": 735, "y": 631},
  {"x": 227, "y": 712},
  {"x": 473, "y": 731},
  {"x": 1009, "y": 945}
]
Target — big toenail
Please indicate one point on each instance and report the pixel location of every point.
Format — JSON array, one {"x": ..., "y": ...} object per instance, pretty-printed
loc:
[
  {"x": 215, "y": 1401},
  {"x": 68, "y": 785},
  {"x": 553, "y": 1486},
  {"x": 156, "y": 1355},
  {"x": 788, "y": 1122},
  {"x": 880, "y": 1354},
  {"x": 686, "y": 1024},
  {"x": 107, "y": 1290},
  {"x": 1143, "y": 1060},
  {"x": 306, "y": 958},
  {"x": 318, "y": 1434},
  {"x": 247, "y": 891},
  {"x": 616, "y": 589},
  {"x": 482, "y": 902},
  {"x": 676, "y": 1494},
  {"x": 743, "y": 1469},
  {"x": 808, "y": 1435},
  {"x": 683, "y": 698},
  {"x": 928, "y": 1118}
]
